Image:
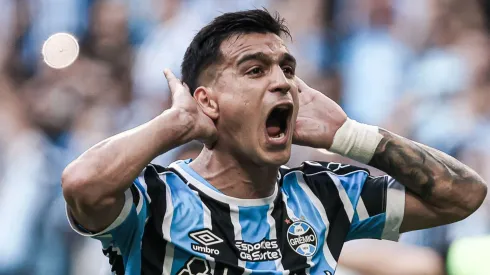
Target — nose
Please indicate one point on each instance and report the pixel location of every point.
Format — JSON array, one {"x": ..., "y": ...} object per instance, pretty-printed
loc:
[{"x": 279, "y": 82}]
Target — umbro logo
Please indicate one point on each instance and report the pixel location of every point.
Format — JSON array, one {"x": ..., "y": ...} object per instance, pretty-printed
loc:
[{"x": 205, "y": 238}]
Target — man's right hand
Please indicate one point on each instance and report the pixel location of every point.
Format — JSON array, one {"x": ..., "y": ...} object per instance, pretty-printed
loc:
[
  {"x": 95, "y": 183},
  {"x": 203, "y": 127}
]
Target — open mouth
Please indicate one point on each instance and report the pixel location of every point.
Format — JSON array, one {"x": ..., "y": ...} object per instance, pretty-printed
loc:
[{"x": 277, "y": 122}]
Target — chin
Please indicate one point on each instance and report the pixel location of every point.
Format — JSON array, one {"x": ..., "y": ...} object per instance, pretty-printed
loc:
[{"x": 276, "y": 158}]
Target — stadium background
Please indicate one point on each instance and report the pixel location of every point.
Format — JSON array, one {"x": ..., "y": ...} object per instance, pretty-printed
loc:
[{"x": 420, "y": 68}]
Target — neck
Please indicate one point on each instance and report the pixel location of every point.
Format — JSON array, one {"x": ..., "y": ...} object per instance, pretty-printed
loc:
[{"x": 233, "y": 177}]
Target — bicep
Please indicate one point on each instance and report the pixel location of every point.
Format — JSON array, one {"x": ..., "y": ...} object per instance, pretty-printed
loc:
[
  {"x": 121, "y": 239},
  {"x": 95, "y": 219},
  {"x": 420, "y": 214},
  {"x": 127, "y": 212}
]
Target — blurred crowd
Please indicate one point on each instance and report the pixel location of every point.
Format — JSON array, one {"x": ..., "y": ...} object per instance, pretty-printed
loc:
[{"x": 420, "y": 68}]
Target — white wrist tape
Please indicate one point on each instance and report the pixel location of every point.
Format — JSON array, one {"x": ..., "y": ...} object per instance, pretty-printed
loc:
[{"x": 356, "y": 141}]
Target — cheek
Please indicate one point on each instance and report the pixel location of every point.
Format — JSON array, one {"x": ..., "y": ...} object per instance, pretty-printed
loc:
[
  {"x": 240, "y": 117},
  {"x": 240, "y": 108}
]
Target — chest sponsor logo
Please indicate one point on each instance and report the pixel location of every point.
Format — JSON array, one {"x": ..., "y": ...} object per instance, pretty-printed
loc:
[
  {"x": 265, "y": 250},
  {"x": 302, "y": 238},
  {"x": 205, "y": 238}
]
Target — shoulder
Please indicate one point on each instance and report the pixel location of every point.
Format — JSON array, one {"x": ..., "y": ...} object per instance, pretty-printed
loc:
[
  {"x": 156, "y": 171},
  {"x": 156, "y": 179},
  {"x": 312, "y": 168},
  {"x": 155, "y": 168},
  {"x": 151, "y": 176}
]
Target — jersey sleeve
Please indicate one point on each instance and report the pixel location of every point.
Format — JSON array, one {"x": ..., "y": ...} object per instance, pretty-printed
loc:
[
  {"x": 379, "y": 209},
  {"x": 374, "y": 205},
  {"x": 121, "y": 241}
]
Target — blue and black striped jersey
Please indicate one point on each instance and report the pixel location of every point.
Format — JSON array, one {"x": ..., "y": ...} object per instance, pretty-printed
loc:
[{"x": 175, "y": 222}]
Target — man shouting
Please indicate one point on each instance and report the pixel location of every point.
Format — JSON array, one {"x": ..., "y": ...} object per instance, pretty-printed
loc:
[{"x": 235, "y": 209}]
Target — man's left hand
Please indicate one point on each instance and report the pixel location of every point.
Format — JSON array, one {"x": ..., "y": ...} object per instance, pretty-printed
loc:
[{"x": 318, "y": 120}]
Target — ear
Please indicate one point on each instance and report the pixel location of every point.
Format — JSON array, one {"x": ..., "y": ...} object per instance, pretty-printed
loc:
[{"x": 205, "y": 99}]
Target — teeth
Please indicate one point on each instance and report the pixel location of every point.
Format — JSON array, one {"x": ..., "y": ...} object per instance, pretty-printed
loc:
[{"x": 279, "y": 136}]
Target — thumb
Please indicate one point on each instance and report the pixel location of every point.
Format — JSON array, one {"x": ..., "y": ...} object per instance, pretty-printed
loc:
[
  {"x": 301, "y": 84},
  {"x": 174, "y": 84}
]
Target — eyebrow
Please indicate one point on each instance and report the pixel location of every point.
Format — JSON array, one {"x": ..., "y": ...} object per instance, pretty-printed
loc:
[
  {"x": 262, "y": 57},
  {"x": 255, "y": 56},
  {"x": 287, "y": 57}
]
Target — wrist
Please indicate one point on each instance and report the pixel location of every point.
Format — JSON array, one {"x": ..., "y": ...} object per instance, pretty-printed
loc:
[
  {"x": 356, "y": 141},
  {"x": 176, "y": 125}
]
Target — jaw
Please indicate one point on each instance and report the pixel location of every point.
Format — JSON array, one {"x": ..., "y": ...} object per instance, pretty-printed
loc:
[
  {"x": 275, "y": 156},
  {"x": 254, "y": 154},
  {"x": 278, "y": 159}
]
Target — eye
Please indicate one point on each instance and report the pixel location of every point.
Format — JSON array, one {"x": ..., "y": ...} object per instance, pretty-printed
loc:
[
  {"x": 288, "y": 71},
  {"x": 255, "y": 71}
]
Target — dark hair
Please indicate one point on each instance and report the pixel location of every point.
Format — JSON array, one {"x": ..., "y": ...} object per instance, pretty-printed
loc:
[{"x": 204, "y": 49}]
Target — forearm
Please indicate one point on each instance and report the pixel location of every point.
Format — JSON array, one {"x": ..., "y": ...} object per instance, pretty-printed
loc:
[
  {"x": 439, "y": 188},
  {"x": 109, "y": 168},
  {"x": 435, "y": 177}
]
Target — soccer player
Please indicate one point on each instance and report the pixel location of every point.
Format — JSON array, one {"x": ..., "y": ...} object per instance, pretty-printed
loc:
[{"x": 235, "y": 209}]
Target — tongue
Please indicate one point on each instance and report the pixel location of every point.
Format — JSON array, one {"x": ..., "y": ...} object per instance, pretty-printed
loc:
[{"x": 273, "y": 127}]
